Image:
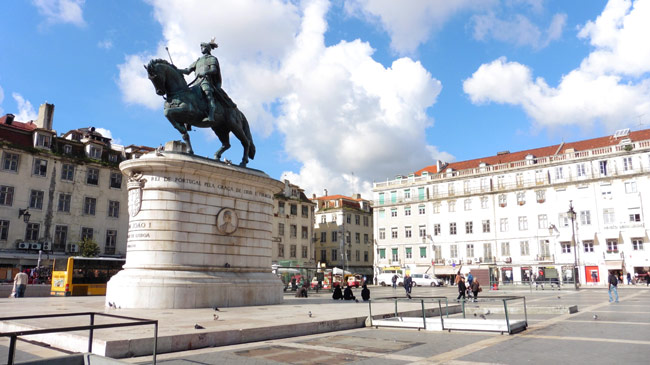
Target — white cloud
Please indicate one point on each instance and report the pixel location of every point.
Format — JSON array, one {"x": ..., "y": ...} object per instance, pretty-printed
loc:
[
  {"x": 519, "y": 29},
  {"x": 105, "y": 44},
  {"x": 345, "y": 118},
  {"x": 26, "y": 111},
  {"x": 410, "y": 23},
  {"x": 609, "y": 87},
  {"x": 61, "y": 11}
]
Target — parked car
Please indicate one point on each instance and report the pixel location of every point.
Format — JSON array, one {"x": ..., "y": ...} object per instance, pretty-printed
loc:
[
  {"x": 386, "y": 278},
  {"x": 425, "y": 280},
  {"x": 355, "y": 280}
]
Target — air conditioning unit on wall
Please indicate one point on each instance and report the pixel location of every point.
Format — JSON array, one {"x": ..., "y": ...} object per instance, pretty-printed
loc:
[
  {"x": 35, "y": 246},
  {"x": 47, "y": 246},
  {"x": 73, "y": 248},
  {"x": 23, "y": 246}
]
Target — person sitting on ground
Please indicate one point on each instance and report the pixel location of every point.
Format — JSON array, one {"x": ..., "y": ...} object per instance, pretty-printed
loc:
[
  {"x": 365, "y": 293},
  {"x": 302, "y": 292},
  {"x": 347, "y": 293},
  {"x": 338, "y": 293}
]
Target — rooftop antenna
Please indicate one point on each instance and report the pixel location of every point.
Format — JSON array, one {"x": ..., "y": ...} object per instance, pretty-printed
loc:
[{"x": 169, "y": 54}]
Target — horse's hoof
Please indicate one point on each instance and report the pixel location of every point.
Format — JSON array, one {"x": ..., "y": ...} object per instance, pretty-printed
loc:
[{"x": 243, "y": 164}]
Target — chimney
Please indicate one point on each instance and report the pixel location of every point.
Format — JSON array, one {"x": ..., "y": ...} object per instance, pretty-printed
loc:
[
  {"x": 9, "y": 119},
  {"x": 358, "y": 196},
  {"x": 45, "y": 114},
  {"x": 313, "y": 196},
  {"x": 324, "y": 192}
]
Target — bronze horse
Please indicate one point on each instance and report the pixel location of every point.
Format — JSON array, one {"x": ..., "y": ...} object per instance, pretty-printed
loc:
[{"x": 186, "y": 107}]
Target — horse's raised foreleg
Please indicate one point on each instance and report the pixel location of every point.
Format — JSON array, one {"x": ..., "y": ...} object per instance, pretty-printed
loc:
[
  {"x": 182, "y": 129},
  {"x": 224, "y": 138}
]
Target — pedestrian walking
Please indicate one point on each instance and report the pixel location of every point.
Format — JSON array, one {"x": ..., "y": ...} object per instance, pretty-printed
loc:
[
  {"x": 408, "y": 284},
  {"x": 394, "y": 280},
  {"x": 629, "y": 278},
  {"x": 461, "y": 289},
  {"x": 476, "y": 287},
  {"x": 613, "y": 284},
  {"x": 470, "y": 279},
  {"x": 20, "y": 284},
  {"x": 647, "y": 278}
]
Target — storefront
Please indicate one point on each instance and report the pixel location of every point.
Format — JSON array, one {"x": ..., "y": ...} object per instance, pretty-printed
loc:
[
  {"x": 592, "y": 275},
  {"x": 506, "y": 275}
]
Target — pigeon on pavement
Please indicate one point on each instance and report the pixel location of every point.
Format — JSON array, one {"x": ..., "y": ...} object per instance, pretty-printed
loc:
[{"x": 198, "y": 327}]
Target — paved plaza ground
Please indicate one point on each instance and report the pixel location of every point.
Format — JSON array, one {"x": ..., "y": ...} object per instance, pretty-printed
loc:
[{"x": 620, "y": 334}]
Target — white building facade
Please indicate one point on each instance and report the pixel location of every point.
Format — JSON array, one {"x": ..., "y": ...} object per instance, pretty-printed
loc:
[{"x": 509, "y": 213}]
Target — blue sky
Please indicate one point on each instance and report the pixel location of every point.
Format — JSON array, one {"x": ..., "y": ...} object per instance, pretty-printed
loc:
[{"x": 341, "y": 94}]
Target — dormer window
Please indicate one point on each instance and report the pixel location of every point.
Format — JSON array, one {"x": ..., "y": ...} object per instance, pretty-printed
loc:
[
  {"x": 94, "y": 152},
  {"x": 112, "y": 158},
  {"x": 67, "y": 149},
  {"x": 42, "y": 140}
]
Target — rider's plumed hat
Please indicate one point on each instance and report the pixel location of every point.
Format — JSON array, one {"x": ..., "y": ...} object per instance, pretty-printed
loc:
[{"x": 212, "y": 44}]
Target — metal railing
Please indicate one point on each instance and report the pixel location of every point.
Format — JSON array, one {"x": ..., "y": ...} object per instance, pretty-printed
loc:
[
  {"x": 13, "y": 336},
  {"x": 422, "y": 300}
]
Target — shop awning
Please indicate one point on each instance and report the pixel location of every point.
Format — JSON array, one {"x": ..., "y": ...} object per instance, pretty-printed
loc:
[
  {"x": 614, "y": 264},
  {"x": 445, "y": 270}
]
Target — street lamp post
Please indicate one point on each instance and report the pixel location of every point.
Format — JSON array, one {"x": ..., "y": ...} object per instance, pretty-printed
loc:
[{"x": 572, "y": 215}]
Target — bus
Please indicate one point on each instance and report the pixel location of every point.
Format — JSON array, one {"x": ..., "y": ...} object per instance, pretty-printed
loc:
[{"x": 76, "y": 276}]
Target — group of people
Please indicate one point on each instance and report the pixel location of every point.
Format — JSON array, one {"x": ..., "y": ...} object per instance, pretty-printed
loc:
[
  {"x": 347, "y": 294},
  {"x": 467, "y": 291}
]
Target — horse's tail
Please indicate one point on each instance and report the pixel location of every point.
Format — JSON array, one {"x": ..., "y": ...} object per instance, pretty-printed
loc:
[{"x": 247, "y": 132}]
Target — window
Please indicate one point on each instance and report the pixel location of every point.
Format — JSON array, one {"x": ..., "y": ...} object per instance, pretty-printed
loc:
[
  {"x": 92, "y": 176},
  {"x": 436, "y": 229},
  {"x": 451, "y": 189},
  {"x": 470, "y": 250},
  {"x": 60, "y": 238},
  {"x": 116, "y": 180},
  {"x": 86, "y": 233},
  {"x": 523, "y": 223},
  {"x": 606, "y": 191},
  {"x": 487, "y": 252},
  {"x": 484, "y": 202},
  {"x": 382, "y": 253},
  {"x": 89, "y": 205},
  {"x": 94, "y": 152},
  {"x": 452, "y": 228},
  {"x": 42, "y": 140},
  {"x": 542, "y": 221},
  {"x": 10, "y": 161},
  {"x": 381, "y": 198},
  {"x": 637, "y": 244},
  {"x": 407, "y": 231},
  {"x": 366, "y": 240},
  {"x": 466, "y": 188},
  {"x": 395, "y": 256},
  {"x": 304, "y": 251},
  {"x": 630, "y": 187},
  {"x": 323, "y": 255},
  {"x": 393, "y": 233},
  {"x": 563, "y": 220},
  {"x": 293, "y": 209},
  {"x": 323, "y": 219},
  {"x": 539, "y": 177},
  {"x": 453, "y": 251},
  {"x": 612, "y": 246},
  {"x": 603, "y": 168},
  {"x": 608, "y": 216},
  {"x": 4, "y": 230},
  {"x": 523, "y": 248},
  {"x": 304, "y": 232},
  {"x": 540, "y": 195},
  {"x": 559, "y": 173},
  {"x": 521, "y": 198},
  {"x": 566, "y": 247},
  {"x": 501, "y": 182},
  {"x": 503, "y": 224},
  {"x": 67, "y": 149},
  {"x": 381, "y": 215},
  {"x": 436, "y": 208},
  {"x": 486, "y": 226},
  {"x": 304, "y": 211},
  {"x": 421, "y": 194},
  {"x": 505, "y": 248},
  {"x": 407, "y": 194},
  {"x": 323, "y": 237},
  {"x": 393, "y": 196},
  {"x": 31, "y": 232},
  {"x": 365, "y": 221},
  {"x": 36, "y": 199},
  {"x": 393, "y": 212},
  {"x": 382, "y": 233},
  {"x": 280, "y": 229},
  {"x": 357, "y": 237},
  {"x": 40, "y": 167},
  {"x": 357, "y": 255},
  {"x": 627, "y": 163},
  {"x": 634, "y": 214},
  {"x": 503, "y": 200},
  {"x": 519, "y": 179},
  {"x": 423, "y": 252},
  {"x": 421, "y": 209},
  {"x": 452, "y": 205},
  {"x": 6, "y": 195},
  {"x": 589, "y": 246},
  {"x": 67, "y": 172},
  {"x": 293, "y": 231},
  {"x": 280, "y": 250},
  {"x": 434, "y": 190},
  {"x": 112, "y": 158},
  {"x": 113, "y": 208},
  {"x": 423, "y": 231},
  {"x": 111, "y": 241},
  {"x": 409, "y": 252},
  {"x": 580, "y": 170},
  {"x": 335, "y": 254},
  {"x": 407, "y": 211},
  {"x": 357, "y": 219},
  {"x": 468, "y": 204},
  {"x": 469, "y": 227},
  {"x": 544, "y": 248},
  {"x": 293, "y": 250},
  {"x": 585, "y": 217},
  {"x": 64, "y": 202},
  {"x": 437, "y": 251}
]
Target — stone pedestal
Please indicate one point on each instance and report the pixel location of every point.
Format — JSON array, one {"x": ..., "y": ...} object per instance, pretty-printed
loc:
[{"x": 199, "y": 235}]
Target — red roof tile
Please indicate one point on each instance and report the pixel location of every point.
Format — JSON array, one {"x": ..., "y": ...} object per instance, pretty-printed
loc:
[{"x": 29, "y": 126}]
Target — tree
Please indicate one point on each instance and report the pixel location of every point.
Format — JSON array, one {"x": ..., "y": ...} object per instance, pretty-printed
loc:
[{"x": 88, "y": 247}]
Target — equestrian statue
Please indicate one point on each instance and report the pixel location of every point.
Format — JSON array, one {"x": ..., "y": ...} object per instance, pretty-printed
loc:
[{"x": 203, "y": 103}]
